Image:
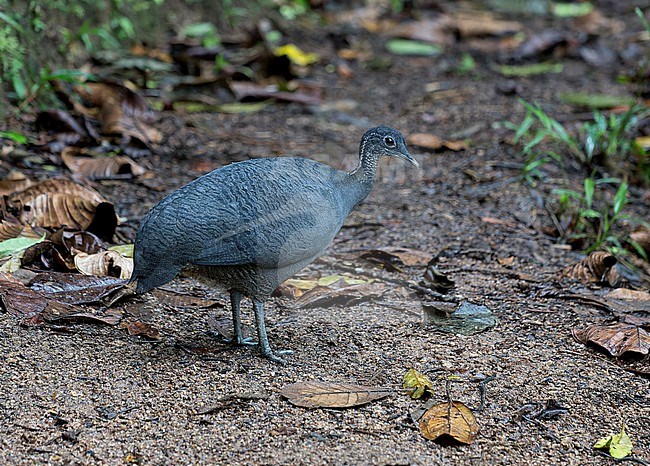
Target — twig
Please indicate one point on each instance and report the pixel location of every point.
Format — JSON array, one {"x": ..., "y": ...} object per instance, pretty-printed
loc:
[{"x": 483, "y": 391}]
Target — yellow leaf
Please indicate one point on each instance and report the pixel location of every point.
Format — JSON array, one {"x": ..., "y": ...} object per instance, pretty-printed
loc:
[
  {"x": 451, "y": 418},
  {"x": 417, "y": 382},
  {"x": 296, "y": 55}
]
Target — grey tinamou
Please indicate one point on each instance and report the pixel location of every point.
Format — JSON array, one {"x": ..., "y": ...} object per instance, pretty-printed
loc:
[{"x": 249, "y": 226}]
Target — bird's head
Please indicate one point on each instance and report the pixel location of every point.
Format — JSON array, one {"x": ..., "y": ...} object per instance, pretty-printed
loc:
[{"x": 385, "y": 141}]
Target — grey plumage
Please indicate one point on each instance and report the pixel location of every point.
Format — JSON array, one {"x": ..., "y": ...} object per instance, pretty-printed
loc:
[{"x": 249, "y": 226}]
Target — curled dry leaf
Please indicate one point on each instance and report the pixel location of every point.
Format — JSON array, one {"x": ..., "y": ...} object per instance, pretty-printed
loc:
[
  {"x": 617, "y": 339},
  {"x": 417, "y": 383},
  {"x": 105, "y": 263},
  {"x": 332, "y": 394},
  {"x": 121, "y": 111},
  {"x": 597, "y": 267},
  {"x": 433, "y": 142},
  {"x": 63, "y": 203},
  {"x": 99, "y": 168},
  {"x": 453, "y": 419}
]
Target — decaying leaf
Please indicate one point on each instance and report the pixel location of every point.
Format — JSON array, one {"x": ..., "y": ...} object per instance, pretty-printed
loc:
[
  {"x": 617, "y": 445},
  {"x": 62, "y": 203},
  {"x": 417, "y": 382},
  {"x": 73, "y": 288},
  {"x": 296, "y": 287},
  {"x": 466, "y": 319},
  {"x": 249, "y": 90},
  {"x": 99, "y": 168},
  {"x": 617, "y": 339},
  {"x": 324, "y": 296},
  {"x": 105, "y": 263},
  {"x": 175, "y": 300},
  {"x": 121, "y": 111},
  {"x": 483, "y": 23},
  {"x": 598, "y": 267},
  {"x": 433, "y": 142},
  {"x": 20, "y": 301},
  {"x": 143, "y": 329},
  {"x": 452, "y": 419},
  {"x": 69, "y": 313},
  {"x": 332, "y": 394}
]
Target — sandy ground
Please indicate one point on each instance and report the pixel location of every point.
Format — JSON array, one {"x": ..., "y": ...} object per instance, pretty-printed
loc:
[{"x": 92, "y": 394}]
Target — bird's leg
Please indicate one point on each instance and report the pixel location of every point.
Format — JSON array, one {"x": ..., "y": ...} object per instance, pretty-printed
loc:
[
  {"x": 265, "y": 348},
  {"x": 238, "y": 337}
]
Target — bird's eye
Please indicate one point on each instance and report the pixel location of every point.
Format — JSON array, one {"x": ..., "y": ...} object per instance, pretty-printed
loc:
[{"x": 390, "y": 142}]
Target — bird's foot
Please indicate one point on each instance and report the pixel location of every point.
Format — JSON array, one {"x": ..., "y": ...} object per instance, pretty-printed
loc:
[{"x": 275, "y": 357}]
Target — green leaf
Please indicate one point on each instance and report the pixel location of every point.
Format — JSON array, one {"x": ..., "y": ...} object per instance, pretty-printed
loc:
[
  {"x": 590, "y": 213},
  {"x": 590, "y": 185},
  {"x": 529, "y": 70},
  {"x": 125, "y": 249},
  {"x": 620, "y": 198},
  {"x": 595, "y": 101},
  {"x": 14, "y": 136},
  {"x": 7, "y": 19},
  {"x": 199, "y": 30},
  {"x": 412, "y": 47},
  {"x": 14, "y": 245},
  {"x": 617, "y": 445},
  {"x": 571, "y": 10}
]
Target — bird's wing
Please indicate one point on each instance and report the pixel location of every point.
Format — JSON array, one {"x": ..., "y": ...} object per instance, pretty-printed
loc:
[{"x": 298, "y": 226}]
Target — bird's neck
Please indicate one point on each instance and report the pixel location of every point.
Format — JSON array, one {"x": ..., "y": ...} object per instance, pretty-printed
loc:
[{"x": 367, "y": 168}]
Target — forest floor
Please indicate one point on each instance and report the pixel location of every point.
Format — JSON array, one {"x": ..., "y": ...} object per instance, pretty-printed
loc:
[{"x": 93, "y": 394}]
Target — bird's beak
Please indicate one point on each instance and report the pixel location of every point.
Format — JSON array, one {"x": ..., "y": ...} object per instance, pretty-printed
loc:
[{"x": 405, "y": 155}]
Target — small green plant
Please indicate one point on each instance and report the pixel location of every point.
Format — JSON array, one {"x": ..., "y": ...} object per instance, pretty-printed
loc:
[
  {"x": 595, "y": 225},
  {"x": 605, "y": 142}
]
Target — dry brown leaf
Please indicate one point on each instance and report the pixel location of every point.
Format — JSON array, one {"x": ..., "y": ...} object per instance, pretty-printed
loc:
[
  {"x": 332, "y": 394},
  {"x": 121, "y": 111},
  {"x": 105, "y": 263},
  {"x": 453, "y": 419},
  {"x": 597, "y": 267},
  {"x": 143, "y": 329},
  {"x": 180, "y": 300},
  {"x": 62, "y": 203},
  {"x": 628, "y": 295},
  {"x": 32, "y": 306},
  {"x": 436, "y": 31},
  {"x": 68, "y": 313},
  {"x": 20, "y": 301},
  {"x": 433, "y": 142},
  {"x": 323, "y": 296},
  {"x": 73, "y": 288},
  {"x": 15, "y": 181},
  {"x": 10, "y": 227},
  {"x": 99, "y": 168},
  {"x": 483, "y": 23},
  {"x": 617, "y": 338}
]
